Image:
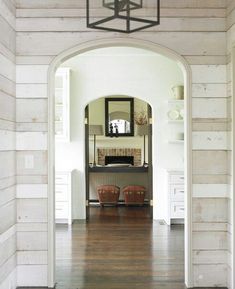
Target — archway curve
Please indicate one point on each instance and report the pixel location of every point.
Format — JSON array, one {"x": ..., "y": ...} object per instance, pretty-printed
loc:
[{"x": 124, "y": 42}]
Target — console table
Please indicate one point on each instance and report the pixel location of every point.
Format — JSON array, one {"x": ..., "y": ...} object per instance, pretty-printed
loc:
[{"x": 118, "y": 169}]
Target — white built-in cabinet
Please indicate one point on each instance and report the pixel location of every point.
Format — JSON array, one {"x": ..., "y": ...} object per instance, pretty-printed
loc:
[
  {"x": 63, "y": 197},
  {"x": 175, "y": 195},
  {"x": 62, "y": 104}
]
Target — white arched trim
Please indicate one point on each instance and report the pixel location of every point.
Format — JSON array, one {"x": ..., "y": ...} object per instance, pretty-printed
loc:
[{"x": 135, "y": 43}]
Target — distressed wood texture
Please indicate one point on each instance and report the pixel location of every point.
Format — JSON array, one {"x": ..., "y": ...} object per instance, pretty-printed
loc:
[
  {"x": 195, "y": 29},
  {"x": 230, "y": 46},
  {"x": 7, "y": 145}
]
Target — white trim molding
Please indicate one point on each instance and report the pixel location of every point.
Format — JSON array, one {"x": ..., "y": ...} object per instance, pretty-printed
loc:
[
  {"x": 186, "y": 70},
  {"x": 233, "y": 168}
]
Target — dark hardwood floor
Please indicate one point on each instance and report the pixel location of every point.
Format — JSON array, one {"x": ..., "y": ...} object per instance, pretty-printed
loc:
[{"x": 120, "y": 248}]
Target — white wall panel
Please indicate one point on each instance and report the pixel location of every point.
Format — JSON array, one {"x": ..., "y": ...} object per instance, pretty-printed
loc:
[
  {"x": 209, "y": 90},
  {"x": 54, "y": 43},
  {"x": 31, "y": 141},
  {"x": 7, "y": 140},
  {"x": 210, "y": 210},
  {"x": 31, "y": 110},
  {"x": 209, "y": 73},
  {"x": 31, "y": 73},
  {"x": 32, "y": 210},
  {"x": 210, "y": 275},
  {"x": 32, "y": 257},
  {"x": 7, "y": 146},
  {"x": 31, "y": 191},
  {"x": 209, "y": 108},
  {"x": 210, "y": 190},
  {"x": 207, "y": 140},
  {"x": 31, "y": 90},
  {"x": 32, "y": 274},
  {"x": 30, "y": 241}
]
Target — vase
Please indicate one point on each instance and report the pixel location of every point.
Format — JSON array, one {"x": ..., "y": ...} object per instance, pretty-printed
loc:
[{"x": 178, "y": 92}]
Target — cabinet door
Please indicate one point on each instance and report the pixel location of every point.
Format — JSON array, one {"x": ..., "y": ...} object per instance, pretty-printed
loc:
[
  {"x": 61, "y": 210},
  {"x": 62, "y": 104},
  {"x": 177, "y": 192},
  {"x": 61, "y": 193},
  {"x": 177, "y": 210},
  {"x": 61, "y": 179},
  {"x": 176, "y": 178}
]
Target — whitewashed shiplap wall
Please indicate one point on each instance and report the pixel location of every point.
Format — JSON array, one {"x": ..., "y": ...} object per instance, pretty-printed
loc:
[
  {"x": 7, "y": 146},
  {"x": 230, "y": 45},
  {"x": 196, "y": 30}
]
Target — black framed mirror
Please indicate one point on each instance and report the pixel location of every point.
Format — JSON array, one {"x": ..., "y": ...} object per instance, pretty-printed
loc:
[{"x": 119, "y": 116}]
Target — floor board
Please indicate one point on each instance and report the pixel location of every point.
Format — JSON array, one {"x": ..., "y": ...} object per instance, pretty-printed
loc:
[{"x": 120, "y": 248}]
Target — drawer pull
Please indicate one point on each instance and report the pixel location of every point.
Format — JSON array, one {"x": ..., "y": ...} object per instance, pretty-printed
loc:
[
  {"x": 59, "y": 209},
  {"x": 181, "y": 209},
  {"x": 182, "y": 192}
]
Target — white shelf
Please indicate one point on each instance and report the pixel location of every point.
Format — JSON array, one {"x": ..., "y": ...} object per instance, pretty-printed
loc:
[
  {"x": 175, "y": 101},
  {"x": 178, "y": 121},
  {"x": 176, "y": 141}
]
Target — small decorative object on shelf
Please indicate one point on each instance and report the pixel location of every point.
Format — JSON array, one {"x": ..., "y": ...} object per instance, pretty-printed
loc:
[
  {"x": 141, "y": 117},
  {"x": 173, "y": 114},
  {"x": 179, "y": 136},
  {"x": 178, "y": 92}
]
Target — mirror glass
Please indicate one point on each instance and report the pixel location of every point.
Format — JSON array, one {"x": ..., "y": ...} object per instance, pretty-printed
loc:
[{"x": 119, "y": 117}]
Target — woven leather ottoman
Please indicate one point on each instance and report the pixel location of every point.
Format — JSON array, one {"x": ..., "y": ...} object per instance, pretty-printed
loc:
[
  {"x": 108, "y": 194},
  {"x": 134, "y": 195}
]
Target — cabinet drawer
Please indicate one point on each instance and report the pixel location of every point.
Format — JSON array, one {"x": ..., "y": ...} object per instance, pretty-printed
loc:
[
  {"x": 61, "y": 179},
  {"x": 176, "y": 178},
  {"x": 61, "y": 193},
  {"x": 177, "y": 210},
  {"x": 61, "y": 210},
  {"x": 177, "y": 192}
]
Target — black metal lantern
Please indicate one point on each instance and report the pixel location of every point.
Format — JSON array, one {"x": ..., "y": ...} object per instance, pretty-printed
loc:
[{"x": 122, "y": 15}]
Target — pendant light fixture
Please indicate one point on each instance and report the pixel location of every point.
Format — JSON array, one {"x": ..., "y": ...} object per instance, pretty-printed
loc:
[{"x": 124, "y": 16}]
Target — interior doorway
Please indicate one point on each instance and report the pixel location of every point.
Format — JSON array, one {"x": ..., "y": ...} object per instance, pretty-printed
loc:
[
  {"x": 118, "y": 144},
  {"x": 188, "y": 174}
]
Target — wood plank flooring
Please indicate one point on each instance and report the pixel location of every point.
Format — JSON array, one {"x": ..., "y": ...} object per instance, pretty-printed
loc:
[{"x": 120, "y": 248}]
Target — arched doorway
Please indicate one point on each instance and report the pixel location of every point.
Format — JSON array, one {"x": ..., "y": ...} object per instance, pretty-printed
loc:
[
  {"x": 123, "y": 157},
  {"x": 187, "y": 83}
]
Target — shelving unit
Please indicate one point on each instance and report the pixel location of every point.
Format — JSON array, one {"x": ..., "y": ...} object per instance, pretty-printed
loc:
[
  {"x": 176, "y": 141},
  {"x": 176, "y": 125},
  {"x": 179, "y": 101},
  {"x": 178, "y": 121},
  {"x": 62, "y": 104}
]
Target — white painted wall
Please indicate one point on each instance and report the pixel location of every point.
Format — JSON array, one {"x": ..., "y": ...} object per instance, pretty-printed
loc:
[
  {"x": 7, "y": 146},
  {"x": 132, "y": 72}
]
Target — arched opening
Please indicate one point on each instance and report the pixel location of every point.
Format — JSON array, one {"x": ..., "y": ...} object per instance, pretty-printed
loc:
[
  {"x": 118, "y": 144},
  {"x": 185, "y": 69}
]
